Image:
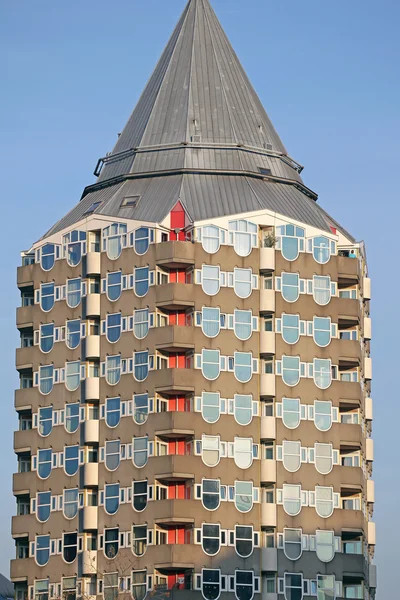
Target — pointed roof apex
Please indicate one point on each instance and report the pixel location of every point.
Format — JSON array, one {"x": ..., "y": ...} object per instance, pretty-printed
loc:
[{"x": 198, "y": 100}]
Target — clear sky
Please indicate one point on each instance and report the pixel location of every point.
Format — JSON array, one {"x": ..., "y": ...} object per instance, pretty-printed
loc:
[{"x": 328, "y": 75}]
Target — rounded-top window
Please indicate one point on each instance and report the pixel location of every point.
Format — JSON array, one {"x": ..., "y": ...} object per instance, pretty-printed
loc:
[
  {"x": 47, "y": 257},
  {"x": 321, "y": 249}
]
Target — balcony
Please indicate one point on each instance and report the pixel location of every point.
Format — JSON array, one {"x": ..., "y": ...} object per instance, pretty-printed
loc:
[
  {"x": 93, "y": 263},
  {"x": 348, "y": 268},
  {"x": 174, "y": 296},
  {"x": 369, "y": 415},
  {"x": 267, "y": 259},
  {"x": 268, "y": 428},
  {"x": 92, "y": 346},
  {"x": 91, "y": 432},
  {"x": 90, "y": 518},
  {"x": 90, "y": 474},
  {"x": 268, "y": 514},
  {"x": 268, "y": 595},
  {"x": 268, "y": 471},
  {"x": 267, "y": 300},
  {"x": 23, "y": 357},
  {"x": 24, "y": 398},
  {"x": 92, "y": 388},
  {"x": 89, "y": 562},
  {"x": 370, "y": 490},
  {"x": 173, "y": 380},
  {"x": 372, "y": 576},
  {"x": 25, "y": 440},
  {"x": 172, "y": 338},
  {"x": 267, "y": 342},
  {"x": 23, "y": 483},
  {"x": 175, "y": 254},
  {"x": 369, "y": 449},
  {"x": 368, "y": 368},
  {"x": 371, "y": 533},
  {"x": 367, "y": 288},
  {"x": 269, "y": 559},
  {"x": 25, "y": 275},
  {"x": 93, "y": 305},
  {"x": 25, "y": 316},
  {"x": 19, "y": 569},
  {"x": 267, "y": 386}
]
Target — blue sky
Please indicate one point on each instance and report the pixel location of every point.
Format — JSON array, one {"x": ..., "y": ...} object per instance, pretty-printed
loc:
[{"x": 328, "y": 75}]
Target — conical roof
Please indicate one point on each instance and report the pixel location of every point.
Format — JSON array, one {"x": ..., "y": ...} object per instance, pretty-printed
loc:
[{"x": 199, "y": 134}]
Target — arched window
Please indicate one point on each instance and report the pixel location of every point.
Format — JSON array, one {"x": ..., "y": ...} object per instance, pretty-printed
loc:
[
  {"x": 139, "y": 495},
  {"x": 290, "y": 284},
  {"x": 70, "y": 503},
  {"x": 211, "y": 538},
  {"x": 141, "y": 365},
  {"x": 243, "y": 411},
  {"x": 113, "y": 327},
  {"x": 140, "y": 451},
  {"x": 74, "y": 246},
  {"x": 141, "y": 284},
  {"x": 210, "y": 494},
  {"x": 72, "y": 375},
  {"x": 46, "y": 337},
  {"x": 113, "y": 369},
  {"x": 114, "y": 285},
  {"x": 292, "y": 499},
  {"x": 210, "y": 238},
  {"x": 243, "y": 324},
  {"x": 292, "y": 543},
  {"x": 244, "y": 540},
  {"x": 139, "y": 540},
  {"x": 45, "y": 420},
  {"x": 74, "y": 292},
  {"x": 243, "y": 496},
  {"x": 291, "y": 328},
  {"x": 114, "y": 239},
  {"x": 322, "y": 289},
  {"x": 243, "y": 452},
  {"x": 291, "y": 241},
  {"x": 291, "y": 455},
  {"x": 140, "y": 408},
  {"x": 210, "y": 406},
  {"x": 323, "y": 458},
  {"x": 321, "y": 249},
  {"x": 243, "y": 366},
  {"x": 244, "y": 585},
  {"x": 42, "y": 550},
  {"x": 43, "y": 506},
  {"x": 326, "y": 588},
  {"x": 141, "y": 323},
  {"x": 112, "y": 454},
  {"x": 322, "y": 373},
  {"x": 243, "y": 236},
  {"x": 142, "y": 240},
  {"x": 291, "y": 412},
  {"x": 291, "y": 370},
  {"x": 210, "y": 280},
  {"x": 73, "y": 333},
  {"x": 47, "y": 296},
  {"x": 242, "y": 282},
  {"x": 210, "y": 363},
  {"x": 111, "y": 586},
  {"x": 111, "y": 542},
  {"x": 324, "y": 503},
  {"x": 325, "y": 545},
  {"x": 211, "y": 321},
  {"x": 70, "y": 547},
  {"x": 72, "y": 417},
  {"x": 44, "y": 462},
  {"x": 293, "y": 586},
  {"x": 113, "y": 411},
  {"x": 47, "y": 257},
  {"x": 211, "y": 584},
  {"x": 210, "y": 445},
  {"x": 323, "y": 415},
  {"x": 139, "y": 586},
  {"x": 46, "y": 379},
  {"x": 71, "y": 460},
  {"x": 322, "y": 329},
  {"x": 111, "y": 498}
]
